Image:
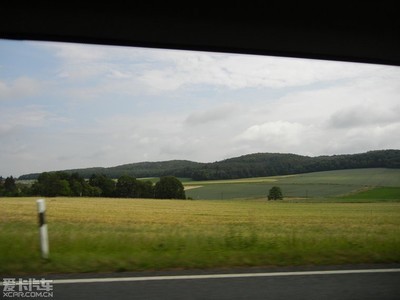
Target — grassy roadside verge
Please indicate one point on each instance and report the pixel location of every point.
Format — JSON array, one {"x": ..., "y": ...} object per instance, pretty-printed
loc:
[{"x": 99, "y": 234}]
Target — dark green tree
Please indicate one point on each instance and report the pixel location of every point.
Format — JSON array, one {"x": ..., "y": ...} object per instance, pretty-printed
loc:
[
  {"x": 10, "y": 188},
  {"x": 1, "y": 186},
  {"x": 51, "y": 185},
  {"x": 76, "y": 184},
  {"x": 105, "y": 184},
  {"x": 127, "y": 187},
  {"x": 146, "y": 189},
  {"x": 169, "y": 187},
  {"x": 91, "y": 191},
  {"x": 275, "y": 193}
]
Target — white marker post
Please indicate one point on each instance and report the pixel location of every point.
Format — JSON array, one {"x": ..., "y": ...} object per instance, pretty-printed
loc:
[{"x": 44, "y": 238}]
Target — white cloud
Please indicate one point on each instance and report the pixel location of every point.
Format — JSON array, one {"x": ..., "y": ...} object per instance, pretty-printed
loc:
[
  {"x": 361, "y": 139},
  {"x": 76, "y": 53},
  {"x": 116, "y": 74},
  {"x": 245, "y": 71},
  {"x": 21, "y": 87},
  {"x": 160, "y": 71},
  {"x": 216, "y": 114},
  {"x": 12, "y": 120},
  {"x": 279, "y": 136},
  {"x": 272, "y": 130},
  {"x": 364, "y": 115}
]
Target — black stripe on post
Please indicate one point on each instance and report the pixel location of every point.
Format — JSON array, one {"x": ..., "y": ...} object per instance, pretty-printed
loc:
[{"x": 42, "y": 219}]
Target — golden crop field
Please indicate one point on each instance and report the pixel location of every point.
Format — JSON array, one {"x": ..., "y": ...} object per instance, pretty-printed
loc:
[{"x": 102, "y": 234}]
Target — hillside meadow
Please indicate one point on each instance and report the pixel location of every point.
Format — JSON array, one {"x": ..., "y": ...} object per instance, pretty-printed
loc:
[{"x": 104, "y": 234}]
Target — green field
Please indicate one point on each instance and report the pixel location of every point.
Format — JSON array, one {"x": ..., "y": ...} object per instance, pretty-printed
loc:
[
  {"x": 311, "y": 185},
  {"x": 337, "y": 217},
  {"x": 104, "y": 234}
]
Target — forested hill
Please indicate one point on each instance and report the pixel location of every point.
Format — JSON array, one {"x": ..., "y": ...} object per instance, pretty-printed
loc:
[
  {"x": 270, "y": 164},
  {"x": 251, "y": 165}
]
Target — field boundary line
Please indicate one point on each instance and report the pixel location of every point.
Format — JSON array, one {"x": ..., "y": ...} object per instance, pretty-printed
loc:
[{"x": 221, "y": 276}]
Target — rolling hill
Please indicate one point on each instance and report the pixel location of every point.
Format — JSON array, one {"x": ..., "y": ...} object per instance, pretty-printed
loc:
[{"x": 246, "y": 166}]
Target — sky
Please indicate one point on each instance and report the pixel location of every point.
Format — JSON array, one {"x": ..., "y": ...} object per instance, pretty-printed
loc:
[{"x": 65, "y": 106}]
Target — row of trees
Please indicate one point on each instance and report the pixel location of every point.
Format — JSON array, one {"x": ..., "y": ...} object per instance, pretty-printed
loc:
[{"x": 99, "y": 185}]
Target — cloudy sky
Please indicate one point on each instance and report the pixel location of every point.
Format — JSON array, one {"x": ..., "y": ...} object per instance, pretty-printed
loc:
[{"x": 70, "y": 106}]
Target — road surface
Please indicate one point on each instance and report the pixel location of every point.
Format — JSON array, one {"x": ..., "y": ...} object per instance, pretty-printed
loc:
[{"x": 366, "y": 283}]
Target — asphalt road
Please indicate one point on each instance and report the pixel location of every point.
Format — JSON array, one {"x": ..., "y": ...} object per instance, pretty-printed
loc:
[{"x": 342, "y": 284}]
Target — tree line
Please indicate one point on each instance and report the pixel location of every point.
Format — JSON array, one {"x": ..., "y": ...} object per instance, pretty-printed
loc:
[{"x": 53, "y": 184}]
